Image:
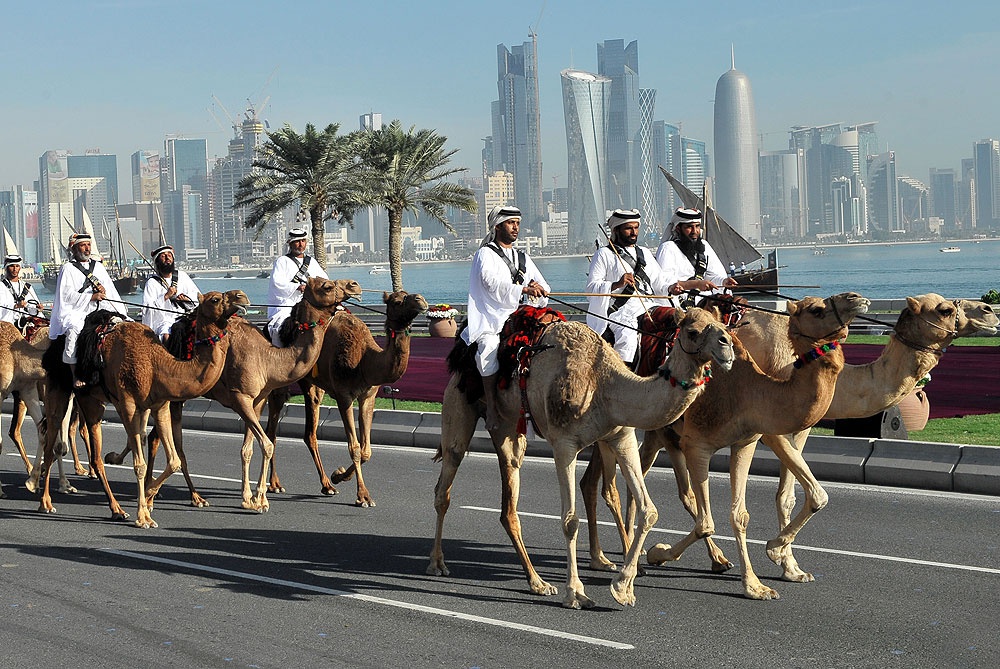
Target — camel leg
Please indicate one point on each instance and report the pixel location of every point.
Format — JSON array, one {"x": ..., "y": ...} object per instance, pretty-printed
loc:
[
  {"x": 626, "y": 453},
  {"x": 29, "y": 403},
  {"x": 14, "y": 432},
  {"x": 313, "y": 396},
  {"x": 176, "y": 416},
  {"x": 250, "y": 412},
  {"x": 77, "y": 465},
  {"x": 164, "y": 425},
  {"x": 458, "y": 424},
  {"x": 361, "y": 452},
  {"x": 275, "y": 403},
  {"x": 779, "y": 549},
  {"x": 739, "y": 469},
  {"x": 135, "y": 420},
  {"x": 565, "y": 457},
  {"x": 704, "y": 525},
  {"x": 58, "y": 407},
  {"x": 90, "y": 411},
  {"x": 588, "y": 486}
]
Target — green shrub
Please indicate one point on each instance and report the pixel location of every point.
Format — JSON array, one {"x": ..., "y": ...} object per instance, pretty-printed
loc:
[{"x": 992, "y": 297}]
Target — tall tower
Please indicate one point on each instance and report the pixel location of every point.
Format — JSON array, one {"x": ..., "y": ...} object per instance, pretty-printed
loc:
[
  {"x": 986, "y": 154},
  {"x": 585, "y": 105},
  {"x": 737, "y": 191},
  {"x": 516, "y": 141},
  {"x": 620, "y": 63}
]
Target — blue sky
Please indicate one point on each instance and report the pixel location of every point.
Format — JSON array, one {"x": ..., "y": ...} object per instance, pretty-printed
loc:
[{"x": 119, "y": 75}]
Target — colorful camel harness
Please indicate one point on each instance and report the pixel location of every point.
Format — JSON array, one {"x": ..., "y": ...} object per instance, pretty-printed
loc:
[{"x": 518, "y": 345}]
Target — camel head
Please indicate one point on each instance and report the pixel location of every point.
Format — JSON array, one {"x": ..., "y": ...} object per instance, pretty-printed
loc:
[
  {"x": 327, "y": 294},
  {"x": 976, "y": 317},
  {"x": 217, "y": 308},
  {"x": 928, "y": 322},
  {"x": 701, "y": 335},
  {"x": 813, "y": 321},
  {"x": 401, "y": 308}
]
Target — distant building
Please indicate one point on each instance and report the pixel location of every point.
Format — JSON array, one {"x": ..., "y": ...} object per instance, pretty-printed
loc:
[
  {"x": 619, "y": 62},
  {"x": 986, "y": 154},
  {"x": 145, "y": 170},
  {"x": 184, "y": 192},
  {"x": 148, "y": 216},
  {"x": 516, "y": 144},
  {"x": 653, "y": 209},
  {"x": 19, "y": 216},
  {"x": 914, "y": 205},
  {"x": 96, "y": 165},
  {"x": 694, "y": 164},
  {"x": 737, "y": 186},
  {"x": 586, "y": 99},
  {"x": 883, "y": 195},
  {"x": 782, "y": 194},
  {"x": 228, "y": 237},
  {"x": 943, "y": 195},
  {"x": 965, "y": 197}
]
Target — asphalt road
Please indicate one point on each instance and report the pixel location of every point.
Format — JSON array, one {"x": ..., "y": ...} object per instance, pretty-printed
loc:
[{"x": 903, "y": 578}]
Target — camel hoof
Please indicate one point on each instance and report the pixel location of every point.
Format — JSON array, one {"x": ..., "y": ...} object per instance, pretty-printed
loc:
[
  {"x": 80, "y": 471},
  {"x": 119, "y": 515},
  {"x": 341, "y": 475},
  {"x": 760, "y": 592},
  {"x": 46, "y": 509},
  {"x": 659, "y": 554},
  {"x": 329, "y": 491},
  {"x": 623, "y": 592},
  {"x": 276, "y": 489},
  {"x": 31, "y": 484},
  {"x": 798, "y": 576},
  {"x": 364, "y": 503},
  {"x": 199, "y": 501},
  {"x": 437, "y": 568},
  {"x": 67, "y": 488},
  {"x": 3, "y": 495},
  {"x": 721, "y": 567},
  {"x": 542, "y": 588},
  {"x": 92, "y": 474},
  {"x": 601, "y": 563},
  {"x": 578, "y": 600},
  {"x": 146, "y": 525}
]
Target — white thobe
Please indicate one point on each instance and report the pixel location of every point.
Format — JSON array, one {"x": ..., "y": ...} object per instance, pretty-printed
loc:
[
  {"x": 678, "y": 268},
  {"x": 283, "y": 292},
  {"x": 72, "y": 305},
  {"x": 605, "y": 269},
  {"x": 493, "y": 297},
  {"x": 163, "y": 313},
  {"x": 8, "y": 310}
]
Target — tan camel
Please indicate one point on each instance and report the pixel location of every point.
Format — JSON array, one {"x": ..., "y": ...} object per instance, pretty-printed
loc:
[
  {"x": 580, "y": 392},
  {"x": 925, "y": 328},
  {"x": 253, "y": 369},
  {"x": 746, "y": 403},
  {"x": 141, "y": 378},
  {"x": 352, "y": 367}
]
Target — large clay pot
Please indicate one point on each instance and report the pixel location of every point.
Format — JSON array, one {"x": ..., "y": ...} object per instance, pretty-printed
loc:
[
  {"x": 915, "y": 409},
  {"x": 442, "y": 327}
]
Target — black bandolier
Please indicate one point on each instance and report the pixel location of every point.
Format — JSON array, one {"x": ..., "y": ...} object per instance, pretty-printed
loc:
[
  {"x": 516, "y": 271},
  {"x": 90, "y": 281},
  {"x": 695, "y": 253},
  {"x": 302, "y": 274},
  {"x": 185, "y": 305}
]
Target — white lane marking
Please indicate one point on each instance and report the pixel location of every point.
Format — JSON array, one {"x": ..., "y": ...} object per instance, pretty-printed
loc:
[
  {"x": 832, "y": 551},
  {"x": 543, "y": 631}
]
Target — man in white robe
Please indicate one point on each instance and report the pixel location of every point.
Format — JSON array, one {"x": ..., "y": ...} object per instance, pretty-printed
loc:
[
  {"x": 17, "y": 298},
  {"x": 288, "y": 280},
  {"x": 83, "y": 286},
  {"x": 625, "y": 268},
  {"x": 500, "y": 279},
  {"x": 168, "y": 293},
  {"x": 688, "y": 261}
]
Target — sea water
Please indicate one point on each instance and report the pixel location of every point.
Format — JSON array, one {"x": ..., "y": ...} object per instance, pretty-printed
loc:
[{"x": 877, "y": 271}]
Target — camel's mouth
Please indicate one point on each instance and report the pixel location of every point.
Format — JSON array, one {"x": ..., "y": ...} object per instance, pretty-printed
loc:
[{"x": 725, "y": 358}]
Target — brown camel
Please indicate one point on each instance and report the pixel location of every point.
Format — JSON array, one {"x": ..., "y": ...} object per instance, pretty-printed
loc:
[
  {"x": 925, "y": 328},
  {"x": 352, "y": 367},
  {"x": 747, "y": 403},
  {"x": 140, "y": 377},
  {"x": 580, "y": 392},
  {"x": 253, "y": 369}
]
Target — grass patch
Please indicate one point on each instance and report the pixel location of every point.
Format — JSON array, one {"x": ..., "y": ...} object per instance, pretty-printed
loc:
[
  {"x": 961, "y": 341},
  {"x": 976, "y": 430},
  {"x": 381, "y": 403}
]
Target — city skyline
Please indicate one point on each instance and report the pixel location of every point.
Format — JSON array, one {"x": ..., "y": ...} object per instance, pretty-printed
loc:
[{"x": 924, "y": 77}]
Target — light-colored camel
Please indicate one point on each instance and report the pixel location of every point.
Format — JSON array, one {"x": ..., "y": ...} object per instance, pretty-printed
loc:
[
  {"x": 352, "y": 367},
  {"x": 925, "y": 328},
  {"x": 140, "y": 377},
  {"x": 579, "y": 392},
  {"x": 746, "y": 403},
  {"x": 254, "y": 368}
]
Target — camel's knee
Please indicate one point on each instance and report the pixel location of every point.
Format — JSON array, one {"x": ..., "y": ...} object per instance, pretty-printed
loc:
[
  {"x": 571, "y": 525},
  {"x": 740, "y": 518},
  {"x": 649, "y": 517},
  {"x": 174, "y": 464},
  {"x": 819, "y": 499},
  {"x": 140, "y": 471},
  {"x": 704, "y": 528}
]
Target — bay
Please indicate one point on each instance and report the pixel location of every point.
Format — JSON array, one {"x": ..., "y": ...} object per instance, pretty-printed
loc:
[{"x": 877, "y": 271}]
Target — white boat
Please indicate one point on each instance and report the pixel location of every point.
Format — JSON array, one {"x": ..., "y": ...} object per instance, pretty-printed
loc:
[
  {"x": 950, "y": 249},
  {"x": 378, "y": 269}
]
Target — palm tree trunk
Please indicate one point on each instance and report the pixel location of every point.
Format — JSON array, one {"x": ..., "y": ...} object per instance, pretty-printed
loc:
[
  {"x": 318, "y": 235},
  {"x": 396, "y": 247}
]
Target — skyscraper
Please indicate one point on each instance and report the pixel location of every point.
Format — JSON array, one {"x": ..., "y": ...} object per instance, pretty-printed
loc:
[
  {"x": 620, "y": 63},
  {"x": 185, "y": 163},
  {"x": 145, "y": 176},
  {"x": 652, "y": 209},
  {"x": 782, "y": 194},
  {"x": 585, "y": 106},
  {"x": 986, "y": 154},
  {"x": 226, "y": 236},
  {"x": 737, "y": 189},
  {"x": 944, "y": 188},
  {"x": 883, "y": 195},
  {"x": 516, "y": 144}
]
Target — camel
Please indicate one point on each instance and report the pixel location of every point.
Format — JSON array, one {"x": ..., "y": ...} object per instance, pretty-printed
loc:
[
  {"x": 924, "y": 329},
  {"x": 580, "y": 392},
  {"x": 139, "y": 376},
  {"x": 253, "y": 369},
  {"x": 747, "y": 403},
  {"x": 352, "y": 367}
]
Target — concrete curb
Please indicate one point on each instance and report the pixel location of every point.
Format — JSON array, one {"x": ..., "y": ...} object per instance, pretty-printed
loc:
[{"x": 888, "y": 462}]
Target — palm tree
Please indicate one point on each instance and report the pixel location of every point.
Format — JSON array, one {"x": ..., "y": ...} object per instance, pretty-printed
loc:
[
  {"x": 317, "y": 171},
  {"x": 404, "y": 172}
]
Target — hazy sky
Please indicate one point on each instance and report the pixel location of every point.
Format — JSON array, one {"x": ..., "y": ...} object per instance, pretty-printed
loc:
[{"x": 119, "y": 75}]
